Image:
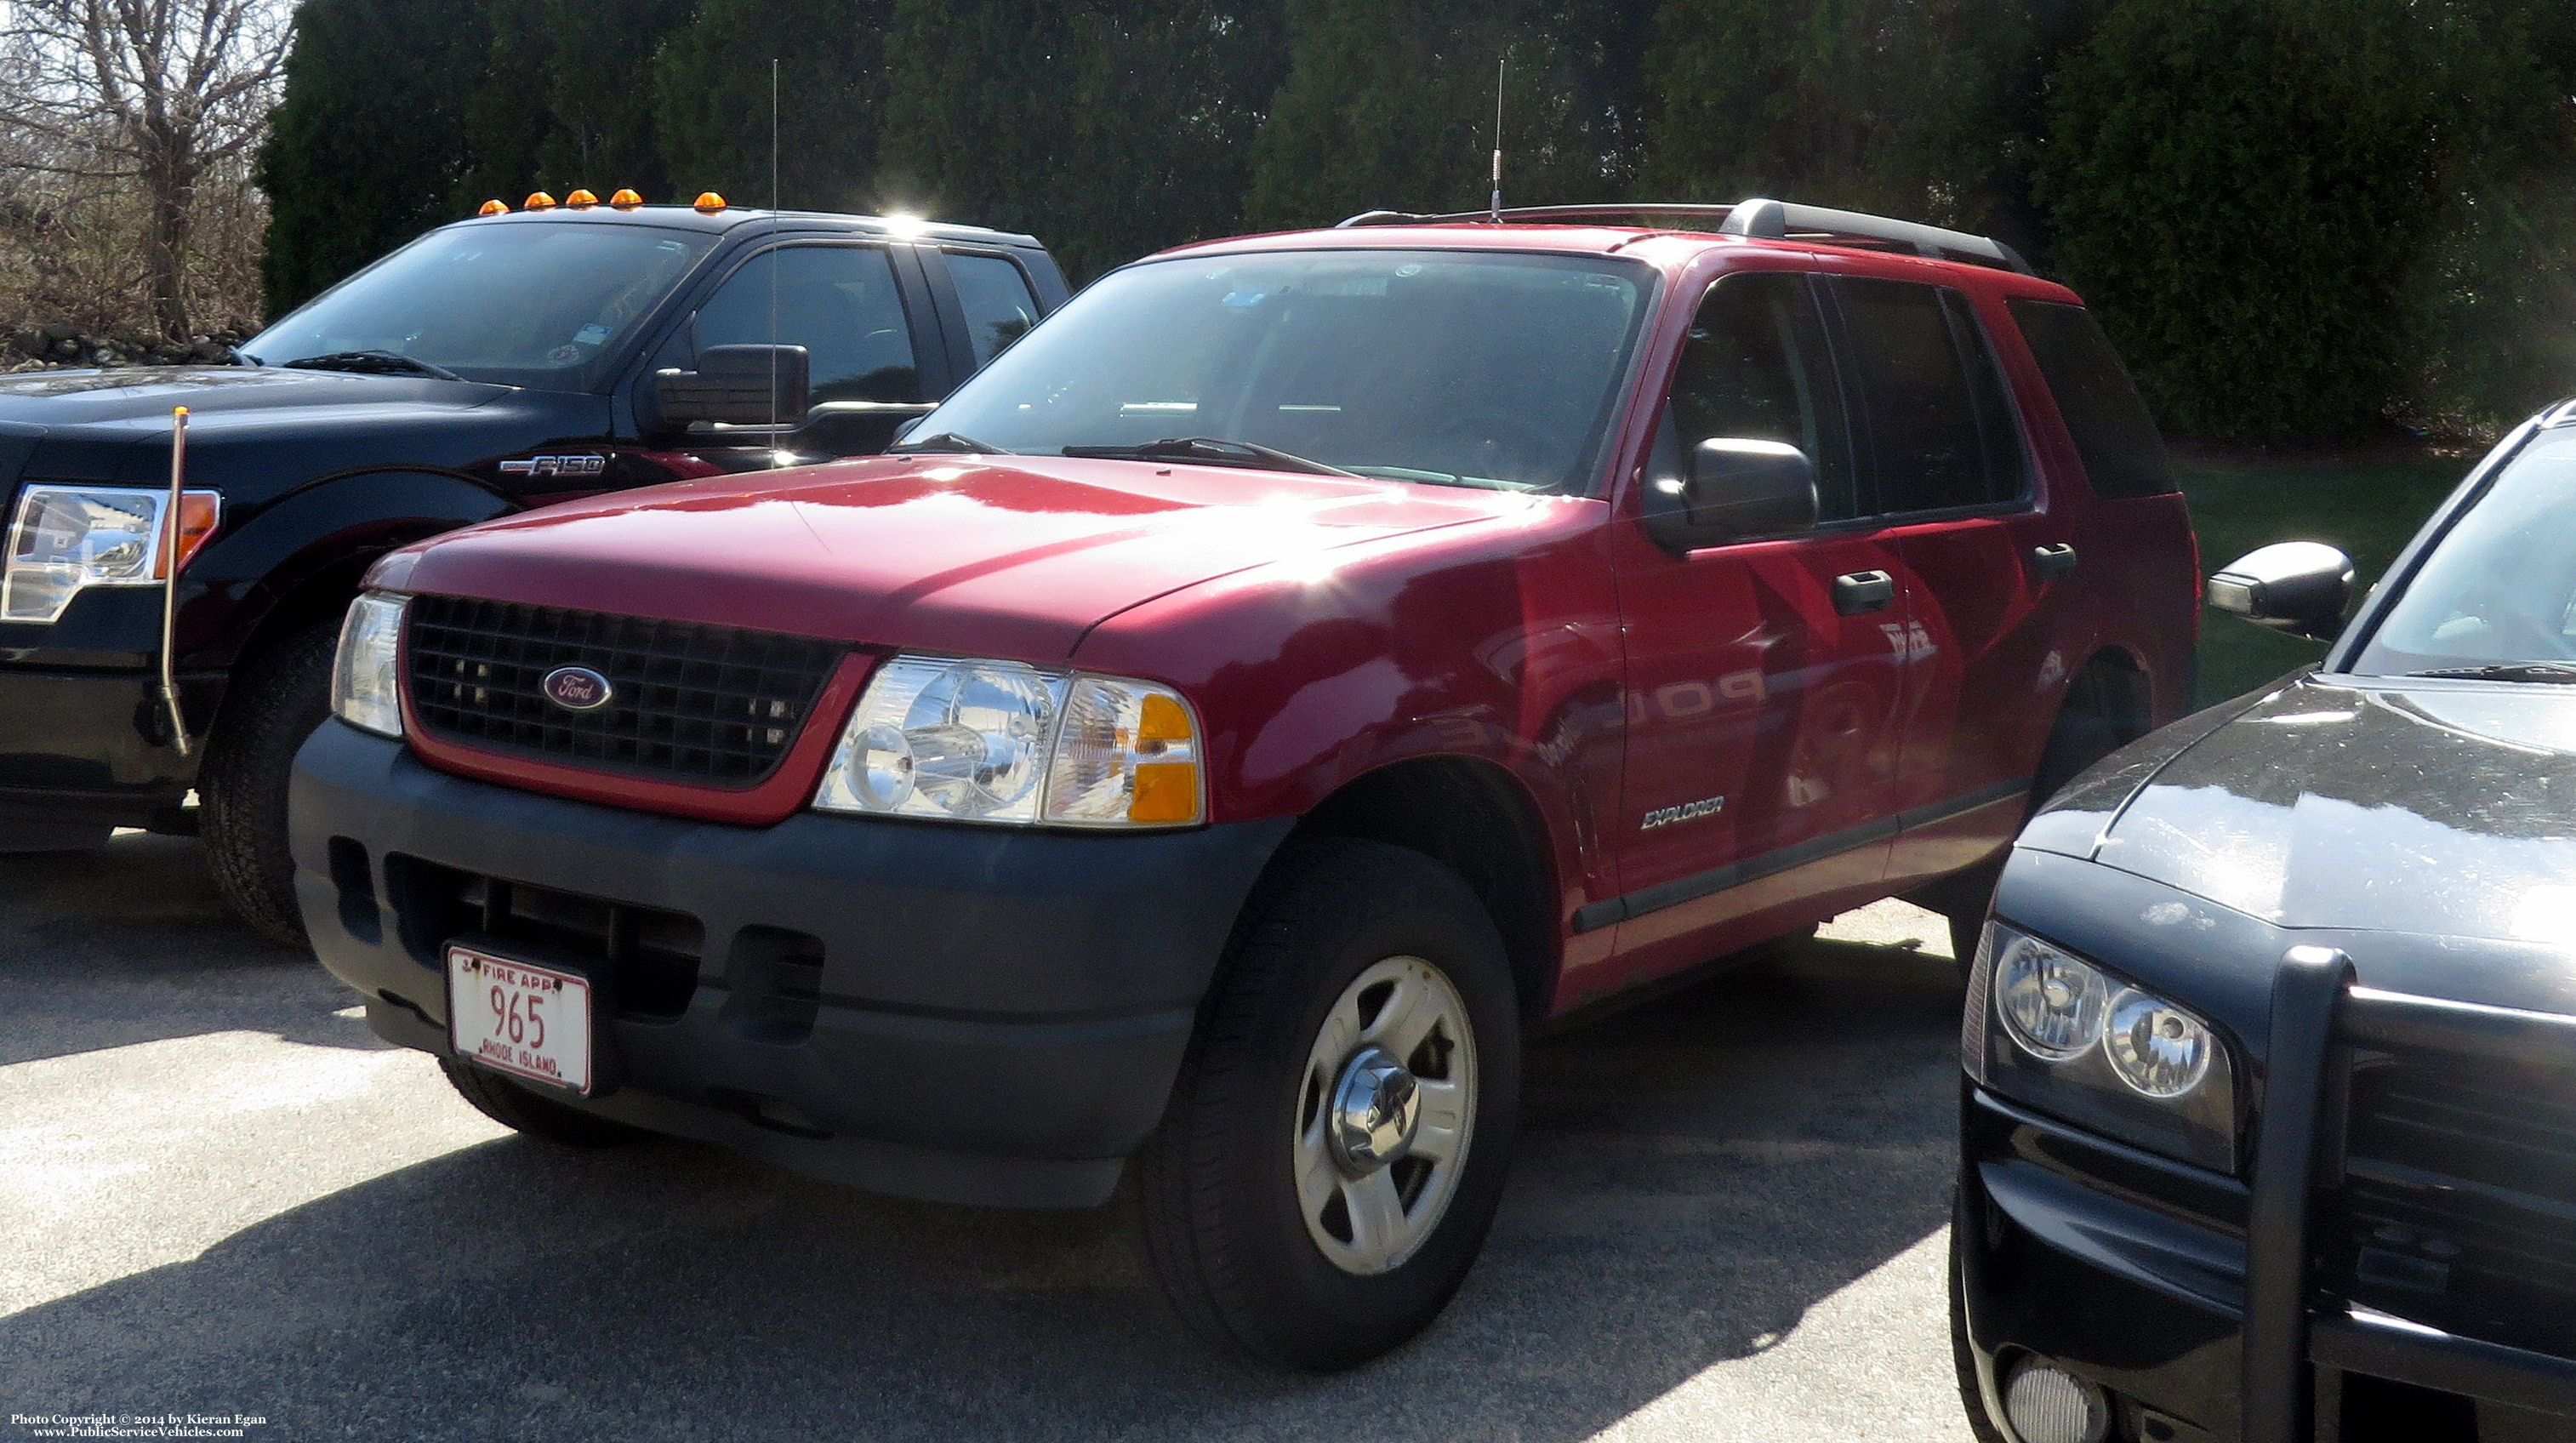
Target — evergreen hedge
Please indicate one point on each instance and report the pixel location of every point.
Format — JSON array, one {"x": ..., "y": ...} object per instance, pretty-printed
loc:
[{"x": 2300, "y": 218}]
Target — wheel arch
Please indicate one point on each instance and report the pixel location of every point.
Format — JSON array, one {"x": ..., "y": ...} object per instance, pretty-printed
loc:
[
  {"x": 298, "y": 561},
  {"x": 2110, "y": 697},
  {"x": 1474, "y": 817}
]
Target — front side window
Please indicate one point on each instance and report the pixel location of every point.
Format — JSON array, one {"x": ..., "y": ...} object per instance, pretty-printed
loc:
[
  {"x": 1448, "y": 367},
  {"x": 996, "y": 298},
  {"x": 839, "y": 302},
  {"x": 546, "y": 304},
  {"x": 2500, "y": 588},
  {"x": 1939, "y": 424},
  {"x": 1755, "y": 367}
]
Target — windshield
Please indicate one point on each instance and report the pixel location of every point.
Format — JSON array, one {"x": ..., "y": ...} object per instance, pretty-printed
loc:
[
  {"x": 1454, "y": 367},
  {"x": 520, "y": 305},
  {"x": 2500, "y": 588}
]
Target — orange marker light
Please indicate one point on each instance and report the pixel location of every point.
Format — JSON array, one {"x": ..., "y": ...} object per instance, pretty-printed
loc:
[
  {"x": 540, "y": 201},
  {"x": 1166, "y": 791},
  {"x": 709, "y": 202},
  {"x": 625, "y": 200},
  {"x": 198, "y": 513},
  {"x": 581, "y": 200},
  {"x": 493, "y": 207}
]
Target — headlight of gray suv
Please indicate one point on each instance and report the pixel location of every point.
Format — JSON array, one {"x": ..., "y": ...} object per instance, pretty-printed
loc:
[{"x": 2065, "y": 1035}]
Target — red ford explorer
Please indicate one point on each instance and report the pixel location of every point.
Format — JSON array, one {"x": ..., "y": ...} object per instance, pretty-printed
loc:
[{"x": 1284, "y": 676}]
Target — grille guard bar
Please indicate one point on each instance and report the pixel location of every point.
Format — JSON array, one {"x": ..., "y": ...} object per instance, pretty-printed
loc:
[{"x": 2318, "y": 1015}]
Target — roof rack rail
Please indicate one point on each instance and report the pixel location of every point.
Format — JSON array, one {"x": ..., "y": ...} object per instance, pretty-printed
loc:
[{"x": 1756, "y": 218}]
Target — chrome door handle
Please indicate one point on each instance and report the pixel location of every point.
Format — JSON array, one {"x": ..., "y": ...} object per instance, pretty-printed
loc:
[{"x": 1859, "y": 593}]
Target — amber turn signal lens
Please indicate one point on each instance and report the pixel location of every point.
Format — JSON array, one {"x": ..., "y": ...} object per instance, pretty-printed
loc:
[
  {"x": 625, "y": 200},
  {"x": 493, "y": 207},
  {"x": 581, "y": 200},
  {"x": 198, "y": 513},
  {"x": 710, "y": 202},
  {"x": 539, "y": 201},
  {"x": 1165, "y": 792},
  {"x": 1163, "y": 720}
]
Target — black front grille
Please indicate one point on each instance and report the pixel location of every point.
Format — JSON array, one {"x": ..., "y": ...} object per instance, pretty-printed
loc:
[
  {"x": 2459, "y": 1197},
  {"x": 705, "y": 704}
]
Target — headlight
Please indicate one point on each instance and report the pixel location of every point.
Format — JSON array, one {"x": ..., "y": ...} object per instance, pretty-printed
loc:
[
  {"x": 1002, "y": 741},
  {"x": 65, "y": 538},
  {"x": 2156, "y": 1047},
  {"x": 366, "y": 679},
  {"x": 2051, "y": 1001},
  {"x": 2076, "y": 1041}
]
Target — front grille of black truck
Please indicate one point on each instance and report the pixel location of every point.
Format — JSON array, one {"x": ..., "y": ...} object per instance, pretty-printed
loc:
[
  {"x": 706, "y": 705},
  {"x": 2458, "y": 1200}
]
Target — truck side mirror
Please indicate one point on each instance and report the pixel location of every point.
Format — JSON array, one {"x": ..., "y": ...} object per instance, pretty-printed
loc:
[
  {"x": 2300, "y": 587},
  {"x": 737, "y": 386},
  {"x": 1734, "y": 487}
]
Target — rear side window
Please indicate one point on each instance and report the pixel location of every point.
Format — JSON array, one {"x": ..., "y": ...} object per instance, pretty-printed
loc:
[
  {"x": 1938, "y": 422},
  {"x": 1755, "y": 367},
  {"x": 2123, "y": 456},
  {"x": 999, "y": 307}
]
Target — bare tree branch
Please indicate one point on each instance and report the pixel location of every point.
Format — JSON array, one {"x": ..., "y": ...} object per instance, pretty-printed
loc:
[{"x": 160, "y": 92}]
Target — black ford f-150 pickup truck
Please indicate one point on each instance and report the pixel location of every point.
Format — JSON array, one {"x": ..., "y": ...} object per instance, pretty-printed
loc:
[{"x": 489, "y": 366}]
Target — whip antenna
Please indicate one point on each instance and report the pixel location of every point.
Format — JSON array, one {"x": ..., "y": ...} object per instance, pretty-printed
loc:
[
  {"x": 776, "y": 259},
  {"x": 171, "y": 535},
  {"x": 1501, "y": 61}
]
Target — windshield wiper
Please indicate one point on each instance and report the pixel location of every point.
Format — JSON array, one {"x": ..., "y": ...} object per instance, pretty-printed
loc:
[
  {"x": 1210, "y": 451},
  {"x": 950, "y": 442},
  {"x": 2533, "y": 671},
  {"x": 1441, "y": 478},
  {"x": 373, "y": 363}
]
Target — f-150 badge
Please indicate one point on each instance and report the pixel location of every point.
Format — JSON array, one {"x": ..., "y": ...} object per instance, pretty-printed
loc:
[
  {"x": 555, "y": 466},
  {"x": 1686, "y": 812}
]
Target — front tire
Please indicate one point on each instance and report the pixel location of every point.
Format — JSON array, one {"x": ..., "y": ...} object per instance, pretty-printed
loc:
[
  {"x": 274, "y": 704},
  {"x": 1963, "y": 1357},
  {"x": 1337, "y": 1140}
]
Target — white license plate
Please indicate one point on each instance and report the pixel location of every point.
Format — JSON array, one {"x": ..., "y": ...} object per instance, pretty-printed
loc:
[{"x": 514, "y": 1017}]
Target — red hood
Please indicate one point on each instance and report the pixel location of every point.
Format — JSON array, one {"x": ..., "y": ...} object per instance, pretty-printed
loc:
[{"x": 1011, "y": 558}]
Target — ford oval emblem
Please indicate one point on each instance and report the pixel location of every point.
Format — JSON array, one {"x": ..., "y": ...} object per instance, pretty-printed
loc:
[{"x": 577, "y": 688}]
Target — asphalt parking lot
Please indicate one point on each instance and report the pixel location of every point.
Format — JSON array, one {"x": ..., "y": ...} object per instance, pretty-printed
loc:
[{"x": 220, "y": 1194}]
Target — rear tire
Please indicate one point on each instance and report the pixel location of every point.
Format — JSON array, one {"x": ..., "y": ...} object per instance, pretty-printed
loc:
[
  {"x": 272, "y": 706},
  {"x": 2085, "y": 733},
  {"x": 1337, "y": 1140},
  {"x": 521, "y": 1110}
]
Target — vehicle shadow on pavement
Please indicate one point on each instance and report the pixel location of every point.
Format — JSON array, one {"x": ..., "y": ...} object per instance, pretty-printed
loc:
[
  {"x": 1697, "y": 1175},
  {"x": 130, "y": 944}
]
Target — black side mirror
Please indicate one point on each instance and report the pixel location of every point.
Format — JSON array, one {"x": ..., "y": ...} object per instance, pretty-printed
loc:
[
  {"x": 2300, "y": 587},
  {"x": 856, "y": 428},
  {"x": 737, "y": 386},
  {"x": 1734, "y": 487}
]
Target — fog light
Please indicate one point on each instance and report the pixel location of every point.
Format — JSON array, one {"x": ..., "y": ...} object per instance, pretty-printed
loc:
[{"x": 2046, "y": 1404}]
